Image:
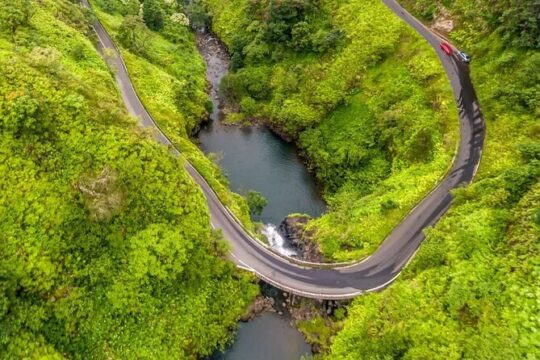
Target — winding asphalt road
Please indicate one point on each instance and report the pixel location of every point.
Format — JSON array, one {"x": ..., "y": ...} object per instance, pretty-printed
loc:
[{"x": 339, "y": 281}]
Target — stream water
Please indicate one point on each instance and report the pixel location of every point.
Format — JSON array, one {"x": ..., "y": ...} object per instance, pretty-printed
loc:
[
  {"x": 267, "y": 337},
  {"x": 254, "y": 158}
]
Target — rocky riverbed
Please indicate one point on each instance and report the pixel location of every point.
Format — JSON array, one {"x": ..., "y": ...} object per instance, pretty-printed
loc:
[
  {"x": 293, "y": 229},
  {"x": 300, "y": 312}
]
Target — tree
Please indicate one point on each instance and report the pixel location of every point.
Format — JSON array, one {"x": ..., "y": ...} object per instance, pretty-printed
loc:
[
  {"x": 102, "y": 196},
  {"x": 153, "y": 14},
  {"x": 256, "y": 202},
  {"x": 420, "y": 146},
  {"x": 197, "y": 14},
  {"x": 130, "y": 7},
  {"x": 324, "y": 40},
  {"x": 519, "y": 21},
  {"x": 21, "y": 114},
  {"x": 133, "y": 34},
  {"x": 301, "y": 36},
  {"x": 15, "y": 13},
  {"x": 110, "y": 7},
  {"x": 283, "y": 15}
]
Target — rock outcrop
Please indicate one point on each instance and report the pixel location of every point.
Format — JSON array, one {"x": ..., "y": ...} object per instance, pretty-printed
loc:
[
  {"x": 293, "y": 230},
  {"x": 443, "y": 22},
  {"x": 261, "y": 304}
]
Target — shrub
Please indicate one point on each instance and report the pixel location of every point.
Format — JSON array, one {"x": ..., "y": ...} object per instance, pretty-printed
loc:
[
  {"x": 133, "y": 34},
  {"x": 249, "y": 105},
  {"x": 15, "y": 13},
  {"x": 256, "y": 202},
  {"x": 197, "y": 14},
  {"x": 153, "y": 14}
]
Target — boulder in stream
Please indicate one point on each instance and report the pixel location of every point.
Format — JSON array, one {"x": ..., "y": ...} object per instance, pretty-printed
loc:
[{"x": 293, "y": 230}]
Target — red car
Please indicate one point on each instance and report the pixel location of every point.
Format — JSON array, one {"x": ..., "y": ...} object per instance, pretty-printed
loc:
[{"x": 447, "y": 48}]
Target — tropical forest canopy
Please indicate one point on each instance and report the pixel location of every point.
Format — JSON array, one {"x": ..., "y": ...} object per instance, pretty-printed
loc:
[
  {"x": 375, "y": 118},
  {"x": 106, "y": 249}
]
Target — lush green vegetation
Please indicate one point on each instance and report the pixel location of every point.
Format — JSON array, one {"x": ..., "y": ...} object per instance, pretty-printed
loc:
[
  {"x": 169, "y": 76},
  {"x": 363, "y": 95},
  {"x": 256, "y": 202},
  {"x": 374, "y": 117},
  {"x": 472, "y": 290},
  {"x": 105, "y": 245}
]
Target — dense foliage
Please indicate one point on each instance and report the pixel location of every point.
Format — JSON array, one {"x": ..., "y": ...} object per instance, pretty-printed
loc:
[
  {"x": 256, "y": 202},
  {"x": 376, "y": 126},
  {"x": 363, "y": 95},
  {"x": 516, "y": 21},
  {"x": 472, "y": 289},
  {"x": 105, "y": 245},
  {"x": 169, "y": 75},
  {"x": 15, "y": 14},
  {"x": 153, "y": 14}
]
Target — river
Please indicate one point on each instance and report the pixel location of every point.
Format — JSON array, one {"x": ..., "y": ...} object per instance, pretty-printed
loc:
[
  {"x": 267, "y": 337},
  {"x": 254, "y": 158}
]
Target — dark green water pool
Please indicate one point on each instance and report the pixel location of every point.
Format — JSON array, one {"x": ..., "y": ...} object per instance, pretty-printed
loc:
[
  {"x": 255, "y": 158},
  {"x": 267, "y": 337}
]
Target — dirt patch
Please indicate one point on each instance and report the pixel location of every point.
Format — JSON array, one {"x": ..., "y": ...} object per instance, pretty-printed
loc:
[{"x": 443, "y": 23}]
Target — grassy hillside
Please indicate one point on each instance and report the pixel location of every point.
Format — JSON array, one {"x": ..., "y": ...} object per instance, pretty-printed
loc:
[
  {"x": 363, "y": 95},
  {"x": 105, "y": 245},
  {"x": 472, "y": 290},
  {"x": 169, "y": 75},
  {"x": 359, "y": 108}
]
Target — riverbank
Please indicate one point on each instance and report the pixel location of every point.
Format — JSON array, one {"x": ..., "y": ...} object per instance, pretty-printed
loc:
[
  {"x": 317, "y": 320},
  {"x": 169, "y": 76},
  {"x": 267, "y": 337},
  {"x": 149, "y": 76},
  {"x": 279, "y": 325},
  {"x": 253, "y": 157},
  {"x": 366, "y": 101}
]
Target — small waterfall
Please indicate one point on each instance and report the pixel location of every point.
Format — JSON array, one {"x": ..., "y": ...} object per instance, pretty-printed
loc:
[{"x": 277, "y": 242}]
